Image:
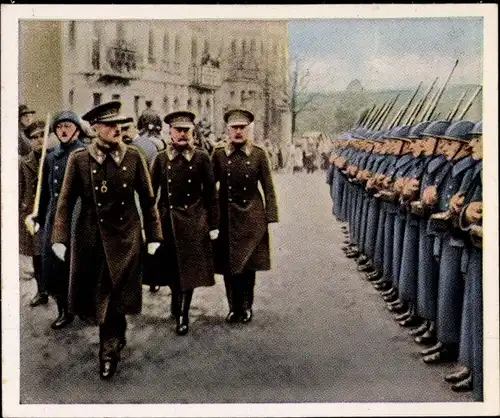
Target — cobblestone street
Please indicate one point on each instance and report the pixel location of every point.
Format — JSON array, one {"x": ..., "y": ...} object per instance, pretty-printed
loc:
[{"x": 320, "y": 333}]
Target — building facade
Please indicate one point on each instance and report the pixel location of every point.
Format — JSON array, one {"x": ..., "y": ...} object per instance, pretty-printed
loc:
[{"x": 203, "y": 66}]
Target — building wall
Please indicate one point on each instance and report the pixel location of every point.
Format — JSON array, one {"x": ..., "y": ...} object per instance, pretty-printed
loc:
[
  {"x": 252, "y": 57},
  {"x": 40, "y": 66}
]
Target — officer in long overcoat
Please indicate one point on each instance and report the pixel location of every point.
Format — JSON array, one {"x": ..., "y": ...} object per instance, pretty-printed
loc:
[
  {"x": 182, "y": 177},
  {"x": 106, "y": 257},
  {"x": 55, "y": 273},
  {"x": 29, "y": 245},
  {"x": 243, "y": 244}
]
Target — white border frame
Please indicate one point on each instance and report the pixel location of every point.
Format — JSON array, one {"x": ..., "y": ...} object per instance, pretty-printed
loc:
[{"x": 10, "y": 269}]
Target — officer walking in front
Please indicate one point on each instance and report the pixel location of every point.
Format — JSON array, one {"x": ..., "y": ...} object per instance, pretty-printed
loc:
[
  {"x": 106, "y": 258},
  {"x": 243, "y": 244},
  {"x": 182, "y": 177}
]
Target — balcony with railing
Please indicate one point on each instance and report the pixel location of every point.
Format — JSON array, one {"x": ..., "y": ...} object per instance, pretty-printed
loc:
[
  {"x": 121, "y": 64},
  {"x": 206, "y": 77}
]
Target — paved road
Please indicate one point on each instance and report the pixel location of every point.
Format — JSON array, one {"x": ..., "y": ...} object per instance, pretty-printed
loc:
[{"x": 320, "y": 334}]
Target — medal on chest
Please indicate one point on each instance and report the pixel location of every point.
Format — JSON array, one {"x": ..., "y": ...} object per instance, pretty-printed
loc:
[{"x": 104, "y": 188}]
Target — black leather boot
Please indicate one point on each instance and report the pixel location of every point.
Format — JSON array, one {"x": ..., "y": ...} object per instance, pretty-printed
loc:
[
  {"x": 182, "y": 326},
  {"x": 464, "y": 385},
  {"x": 39, "y": 299},
  {"x": 373, "y": 276},
  {"x": 462, "y": 373},
  {"x": 231, "y": 294},
  {"x": 420, "y": 330},
  {"x": 248, "y": 292},
  {"x": 65, "y": 317},
  {"x": 175, "y": 303}
]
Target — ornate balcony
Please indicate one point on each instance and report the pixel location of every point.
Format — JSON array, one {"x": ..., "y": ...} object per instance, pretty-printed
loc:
[
  {"x": 121, "y": 64},
  {"x": 206, "y": 77}
]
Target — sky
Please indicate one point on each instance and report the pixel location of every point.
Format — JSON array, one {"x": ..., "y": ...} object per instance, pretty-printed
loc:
[{"x": 387, "y": 53}]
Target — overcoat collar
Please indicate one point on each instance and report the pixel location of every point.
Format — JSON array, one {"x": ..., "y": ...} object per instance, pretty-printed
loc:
[
  {"x": 117, "y": 155},
  {"x": 246, "y": 148},
  {"x": 436, "y": 163},
  {"x": 59, "y": 150},
  {"x": 462, "y": 165},
  {"x": 187, "y": 153}
]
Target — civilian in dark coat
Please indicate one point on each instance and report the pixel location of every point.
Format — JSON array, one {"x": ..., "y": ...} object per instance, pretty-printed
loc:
[
  {"x": 106, "y": 258},
  {"x": 243, "y": 245}
]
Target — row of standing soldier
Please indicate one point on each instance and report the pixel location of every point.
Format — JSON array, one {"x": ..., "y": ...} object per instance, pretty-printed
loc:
[
  {"x": 198, "y": 215},
  {"x": 412, "y": 198}
]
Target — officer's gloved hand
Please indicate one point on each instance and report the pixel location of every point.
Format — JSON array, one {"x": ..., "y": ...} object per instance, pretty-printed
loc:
[
  {"x": 214, "y": 234},
  {"x": 152, "y": 247},
  {"x": 31, "y": 224},
  {"x": 59, "y": 250}
]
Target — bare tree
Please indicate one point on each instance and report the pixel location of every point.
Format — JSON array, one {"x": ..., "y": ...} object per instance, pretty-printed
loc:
[{"x": 300, "y": 99}]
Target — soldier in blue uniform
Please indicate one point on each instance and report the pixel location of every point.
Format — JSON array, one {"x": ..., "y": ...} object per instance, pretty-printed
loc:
[
  {"x": 406, "y": 172},
  {"x": 448, "y": 244},
  {"x": 55, "y": 273},
  {"x": 409, "y": 259},
  {"x": 469, "y": 198}
]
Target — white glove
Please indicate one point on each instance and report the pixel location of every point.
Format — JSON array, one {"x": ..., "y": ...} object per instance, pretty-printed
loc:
[
  {"x": 59, "y": 250},
  {"x": 152, "y": 247},
  {"x": 214, "y": 234},
  {"x": 31, "y": 225}
]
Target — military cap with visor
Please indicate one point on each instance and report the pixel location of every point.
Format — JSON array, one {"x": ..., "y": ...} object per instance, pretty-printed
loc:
[
  {"x": 180, "y": 119},
  {"x": 24, "y": 110},
  {"x": 238, "y": 117},
  {"x": 107, "y": 113},
  {"x": 35, "y": 128}
]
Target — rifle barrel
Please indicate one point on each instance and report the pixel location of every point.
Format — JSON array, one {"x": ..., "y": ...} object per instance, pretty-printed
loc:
[
  {"x": 423, "y": 101},
  {"x": 36, "y": 204},
  {"x": 434, "y": 105},
  {"x": 454, "y": 111},
  {"x": 469, "y": 104}
]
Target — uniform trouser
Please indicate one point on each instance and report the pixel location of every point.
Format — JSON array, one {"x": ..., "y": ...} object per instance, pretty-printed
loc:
[
  {"x": 112, "y": 333},
  {"x": 240, "y": 290},
  {"x": 450, "y": 293},
  {"x": 371, "y": 227},
  {"x": 378, "y": 259},
  {"x": 364, "y": 220},
  {"x": 428, "y": 274},
  {"x": 408, "y": 273},
  {"x": 465, "y": 347},
  {"x": 37, "y": 269},
  {"x": 475, "y": 276},
  {"x": 390, "y": 217},
  {"x": 358, "y": 212},
  {"x": 397, "y": 247},
  {"x": 345, "y": 199}
]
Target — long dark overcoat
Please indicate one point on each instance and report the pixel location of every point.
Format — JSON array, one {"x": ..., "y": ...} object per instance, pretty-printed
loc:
[
  {"x": 243, "y": 242},
  {"x": 28, "y": 177},
  {"x": 184, "y": 186},
  {"x": 107, "y": 255},
  {"x": 54, "y": 272}
]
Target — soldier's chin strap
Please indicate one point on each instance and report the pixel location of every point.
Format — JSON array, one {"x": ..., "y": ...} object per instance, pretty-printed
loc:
[{"x": 71, "y": 139}]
